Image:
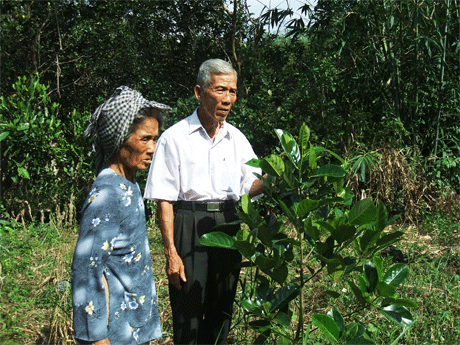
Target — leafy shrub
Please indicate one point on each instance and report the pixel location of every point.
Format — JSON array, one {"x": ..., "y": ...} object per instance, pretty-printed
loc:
[
  {"x": 44, "y": 166},
  {"x": 332, "y": 239}
]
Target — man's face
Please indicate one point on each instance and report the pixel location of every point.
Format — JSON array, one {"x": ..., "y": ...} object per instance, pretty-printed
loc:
[{"x": 217, "y": 100}]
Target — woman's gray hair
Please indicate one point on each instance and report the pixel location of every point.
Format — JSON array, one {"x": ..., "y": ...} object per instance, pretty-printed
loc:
[
  {"x": 143, "y": 114},
  {"x": 210, "y": 67}
]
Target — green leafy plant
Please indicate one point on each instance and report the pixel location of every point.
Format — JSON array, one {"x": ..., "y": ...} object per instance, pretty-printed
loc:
[
  {"x": 333, "y": 238},
  {"x": 44, "y": 166}
]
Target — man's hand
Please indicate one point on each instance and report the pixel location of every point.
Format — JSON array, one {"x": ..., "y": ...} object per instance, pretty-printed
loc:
[
  {"x": 175, "y": 271},
  {"x": 102, "y": 342},
  {"x": 174, "y": 265}
]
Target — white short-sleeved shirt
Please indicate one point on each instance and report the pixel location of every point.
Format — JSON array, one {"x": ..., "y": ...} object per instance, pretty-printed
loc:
[{"x": 188, "y": 165}]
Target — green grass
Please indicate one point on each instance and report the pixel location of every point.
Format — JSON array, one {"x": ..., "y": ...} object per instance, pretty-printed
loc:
[{"x": 35, "y": 302}]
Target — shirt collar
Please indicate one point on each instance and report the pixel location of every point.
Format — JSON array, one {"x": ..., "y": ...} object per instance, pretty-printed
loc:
[{"x": 195, "y": 125}]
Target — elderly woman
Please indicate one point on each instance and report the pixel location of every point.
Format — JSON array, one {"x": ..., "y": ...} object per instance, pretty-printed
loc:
[{"x": 113, "y": 290}]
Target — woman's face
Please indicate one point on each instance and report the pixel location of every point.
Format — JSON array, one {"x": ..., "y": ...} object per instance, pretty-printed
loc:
[{"x": 137, "y": 151}]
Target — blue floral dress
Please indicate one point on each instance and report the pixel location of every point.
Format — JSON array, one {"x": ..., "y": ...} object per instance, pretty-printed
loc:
[{"x": 113, "y": 250}]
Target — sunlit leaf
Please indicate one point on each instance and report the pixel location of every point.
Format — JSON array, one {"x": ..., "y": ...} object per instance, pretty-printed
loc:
[
  {"x": 363, "y": 212},
  {"x": 337, "y": 317},
  {"x": 396, "y": 275},
  {"x": 304, "y": 138},
  {"x": 272, "y": 165},
  {"x": 289, "y": 146},
  {"x": 283, "y": 296},
  {"x": 3, "y": 135},
  {"x": 217, "y": 239},
  {"x": 398, "y": 314},
  {"x": 327, "y": 326}
]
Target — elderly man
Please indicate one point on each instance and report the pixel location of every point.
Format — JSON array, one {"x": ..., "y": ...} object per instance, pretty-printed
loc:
[{"x": 199, "y": 165}]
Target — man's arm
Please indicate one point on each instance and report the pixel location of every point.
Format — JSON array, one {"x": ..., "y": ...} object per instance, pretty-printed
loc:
[
  {"x": 174, "y": 265},
  {"x": 256, "y": 188}
]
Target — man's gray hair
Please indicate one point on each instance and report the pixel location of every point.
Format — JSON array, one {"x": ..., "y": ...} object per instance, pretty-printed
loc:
[{"x": 210, "y": 67}]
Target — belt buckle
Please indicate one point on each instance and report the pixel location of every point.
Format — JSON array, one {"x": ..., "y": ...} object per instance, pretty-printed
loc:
[{"x": 213, "y": 206}]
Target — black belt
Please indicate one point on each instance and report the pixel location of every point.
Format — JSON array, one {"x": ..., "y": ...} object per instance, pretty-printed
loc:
[{"x": 208, "y": 206}]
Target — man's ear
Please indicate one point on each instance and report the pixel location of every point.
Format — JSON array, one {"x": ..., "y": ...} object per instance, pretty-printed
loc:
[{"x": 198, "y": 90}]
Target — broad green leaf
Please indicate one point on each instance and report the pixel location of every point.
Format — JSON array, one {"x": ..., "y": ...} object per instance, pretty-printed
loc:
[
  {"x": 327, "y": 326},
  {"x": 382, "y": 216},
  {"x": 246, "y": 203},
  {"x": 279, "y": 274},
  {"x": 217, "y": 239},
  {"x": 396, "y": 275},
  {"x": 304, "y": 138},
  {"x": 283, "y": 296},
  {"x": 287, "y": 212},
  {"x": 357, "y": 292},
  {"x": 335, "y": 314},
  {"x": 289, "y": 145},
  {"x": 386, "y": 290},
  {"x": 363, "y": 212},
  {"x": 378, "y": 263},
  {"x": 369, "y": 236},
  {"x": 371, "y": 275},
  {"x": 265, "y": 263},
  {"x": 357, "y": 334},
  {"x": 284, "y": 320},
  {"x": 310, "y": 229},
  {"x": 289, "y": 174},
  {"x": 343, "y": 233},
  {"x": 329, "y": 170},
  {"x": 245, "y": 248},
  {"x": 330, "y": 201},
  {"x": 305, "y": 206},
  {"x": 265, "y": 235},
  {"x": 400, "y": 301},
  {"x": 3, "y": 135},
  {"x": 398, "y": 314},
  {"x": 388, "y": 239},
  {"x": 272, "y": 165},
  {"x": 254, "y": 163},
  {"x": 260, "y": 325},
  {"x": 320, "y": 149}
]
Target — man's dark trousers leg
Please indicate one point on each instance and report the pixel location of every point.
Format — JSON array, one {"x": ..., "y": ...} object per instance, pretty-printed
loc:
[{"x": 202, "y": 309}]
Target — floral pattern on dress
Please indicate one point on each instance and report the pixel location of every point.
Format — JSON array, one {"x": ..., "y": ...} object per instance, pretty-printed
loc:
[{"x": 113, "y": 243}]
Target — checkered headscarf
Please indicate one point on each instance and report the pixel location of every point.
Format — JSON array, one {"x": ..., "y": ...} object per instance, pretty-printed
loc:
[{"x": 109, "y": 125}]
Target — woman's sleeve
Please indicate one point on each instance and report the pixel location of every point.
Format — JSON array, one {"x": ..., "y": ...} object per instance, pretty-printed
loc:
[{"x": 100, "y": 226}]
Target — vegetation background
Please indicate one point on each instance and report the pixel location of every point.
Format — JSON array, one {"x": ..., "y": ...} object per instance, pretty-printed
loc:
[{"x": 378, "y": 82}]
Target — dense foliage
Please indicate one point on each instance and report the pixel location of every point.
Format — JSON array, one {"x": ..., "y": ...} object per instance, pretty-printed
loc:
[
  {"x": 377, "y": 81},
  {"x": 309, "y": 193},
  {"x": 368, "y": 77}
]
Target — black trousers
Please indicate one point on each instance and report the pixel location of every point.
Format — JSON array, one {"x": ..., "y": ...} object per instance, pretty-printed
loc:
[{"x": 202, "y": 309}]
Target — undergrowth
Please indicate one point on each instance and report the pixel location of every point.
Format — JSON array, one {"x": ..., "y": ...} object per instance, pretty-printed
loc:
[{"x": 35, "y": 300}]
